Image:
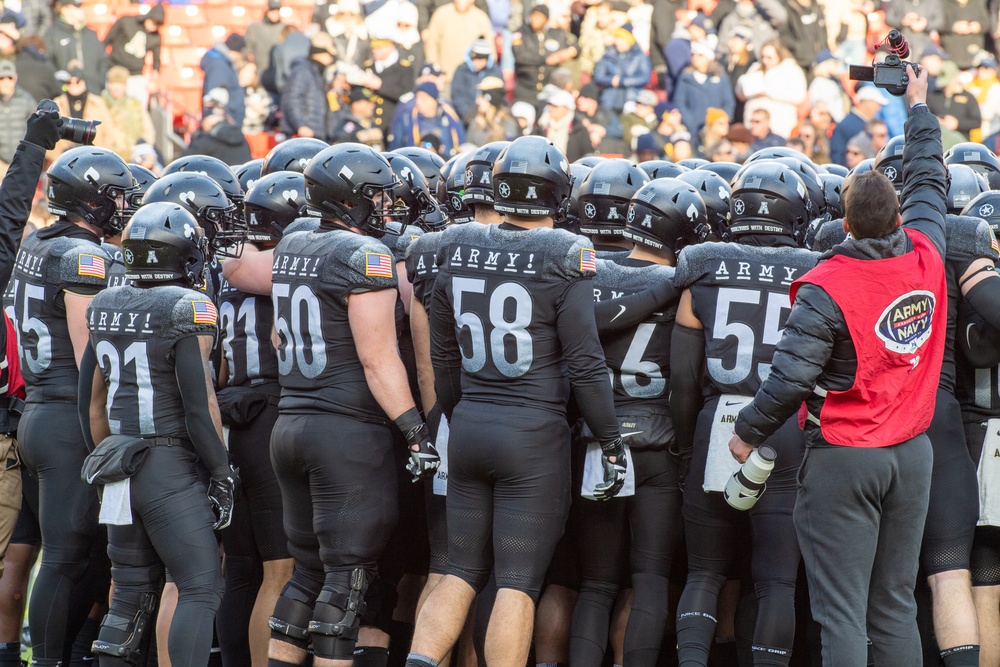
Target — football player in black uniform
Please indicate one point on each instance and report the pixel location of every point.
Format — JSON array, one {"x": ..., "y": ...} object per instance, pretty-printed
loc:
[
  {"x": 58, "y": 271},
  {"x": 342, "y": 382},
  {"x": 478, "y": 193},
  {"x": 604, "y": 200},
  {"x": 665, "y": 215},
  {"x": 292, "y": 155},
  {"x": 729, "y": 319},
  {"x": 519, "y": 298},
  {"x": 249, "y": 402},
  {"x": 151, "y": 410}
]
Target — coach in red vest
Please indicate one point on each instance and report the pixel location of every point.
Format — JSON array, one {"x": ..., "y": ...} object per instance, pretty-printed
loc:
[{"x": 859, "y": 359}]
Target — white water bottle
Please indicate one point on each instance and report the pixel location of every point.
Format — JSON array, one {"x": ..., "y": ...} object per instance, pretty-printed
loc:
[{"x": 747, "y": 484}]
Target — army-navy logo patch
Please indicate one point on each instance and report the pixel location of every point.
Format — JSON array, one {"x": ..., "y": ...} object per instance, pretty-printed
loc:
[{"x": 905, "y": 324}]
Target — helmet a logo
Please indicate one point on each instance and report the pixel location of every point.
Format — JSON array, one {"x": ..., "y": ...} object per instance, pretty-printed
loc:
[
  {"x": 151, "y": 258},
  {"x": 739, "y": 207},
  {"x": 589, "y": 210},
  {"x": 485, "y": 178},
  {"x": 647, "y": 221},
  {"x": 890, "y": 173},
  {"x": 504, "y": 190},
  {"x": 531, "y": 193},
  {"x": 986, "y": 210},
  {"x": 613, "y": 213},
  {"x": 92, "y": 174},
  {"x": 763, "y": 210},
  {"x": 631, "y": 214}
]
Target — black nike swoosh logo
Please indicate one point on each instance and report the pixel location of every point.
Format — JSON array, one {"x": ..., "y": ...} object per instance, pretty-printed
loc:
[{"x": 728, "y": 403}]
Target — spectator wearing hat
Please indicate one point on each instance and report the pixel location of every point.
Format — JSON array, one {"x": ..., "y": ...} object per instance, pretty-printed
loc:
[
  {"x": 391, "y": 76},
  {"x": 145, "y": 155},
  {"x": 703, "y": 85},
  {"x": 640, "y": 117},
  {"x": 128, "y": 115},
  {"x": 524, "y": 114},
  {"x": 427, "y": 117},
  {"x": 763, "y": 19},
  {"x": 957, "y": 109},
  {"x": 78, "y": 102},
  {"x": 356, "y": 121},
  {"x": 776, "y": 84},
  {"x": 826, "y": 86},
  {"x": 492, "y": 120},
  {"x": 219, "y": 65},
  {"x": 556, "y": 123},
  {"x": 217, "y": 136},
  {"x": 963, "y": 30},
  {"x": 590, "y": 112},
  {"x": 870, "y": 101},
  {"x": 932, "y": 58},
  {"x": 129, "y": 41},
  {"x": 805, "y": 32},
  {"x": 16, "y": 106},
  {"x": 405, "y": 34},
  {"x": 34, "y": 71},
  {"x": 917, "y": 20},
  {"x": 677, "y": 53},
  {"x": 741, "y": 138},
  {"x": 69, "y": 39},
  {"x": 859, "y": 148},
  {"x": 9, "y": 36},
  {"x": 985, "y": 87},
  {"x": 597, "y": 32},
  {"x": 480, "y": 64},
  {"x": 622, "y": 71},
  {"x": 304, "y": 104},
  {"x": 648, "y": 147},
  {"x": 264, "y": 35},
  {"x": 715, "y": 129},
  {"x": 350, "y": 35},
  {"x": 537, "y": 50},
  {"x": 738, "y": 60},
  {"x": 451, "y": 31}
]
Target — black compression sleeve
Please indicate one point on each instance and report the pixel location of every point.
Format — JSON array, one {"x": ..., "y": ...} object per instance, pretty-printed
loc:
[
  {"x": 85, "y": 388},
  {"x": 445, "y": 353},
  {"x": 632, "y": 310},
  {"x": 584, "y": 358},
  {"x": 16, "y": 195},
  {"x": 687, "y": 355},
  {"x": 924, "y": 185},
  {"x": 984, "y": 297},
  {"x": 190, "y": 371}
]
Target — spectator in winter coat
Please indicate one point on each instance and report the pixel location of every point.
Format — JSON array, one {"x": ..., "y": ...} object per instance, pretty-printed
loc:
[
  {"x": 557, "y": 123},
  {"x": 427, "y": 117},
  {"x": 451, "y": 31},
  {"x": 916, "y": 19},
  {"x": 805, "y": 32},
  {"x": 217, "y": 136},
  {"x": 739, "y": 59},
  {"x": 69, "y": 39},
  {"x": 963, "y": 33},
  {"x": 597, "y": 32},
  {"x": 128, "y": 115},
  {"x": 480, "y": 64},
  {"x": 391, "y": 76},
  {"x": 869, "y": 103},
  {"x": 677, "y": 53},
  {"x": 537, "y": 52},
  {"x": 776, "y": 84},
  {"x": 129, "y": 40},
  {"x": 34, "y": 71},
  {"x": 293, "y": 45},
  {"x": 622, "y": 71},
  {"x": 702, "y": 85},
  {"x": 662, "y": 23},
  {"x": 641, "y": 118},
  {"x": 957, "y": 109},
  {"x": 826, "y": 86},
  {"x": 263, "y": 35},
  {"x": 15, "y": 107},
  {"x": 78, "y": 102},
  {"x": 491, "y": 120},
  {"x": 219, "y": 65},
  {"x": 763, "y": 18},
  {"x": 760, "y": 128},
  {"x": 304, "y": 104},
  {"x": 347, "y": 26}
]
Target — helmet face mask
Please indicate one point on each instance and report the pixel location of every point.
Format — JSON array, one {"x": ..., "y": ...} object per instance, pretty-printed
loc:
[
  {"x": 412, "y": 190},
  {"x": 205, "y": 199}
]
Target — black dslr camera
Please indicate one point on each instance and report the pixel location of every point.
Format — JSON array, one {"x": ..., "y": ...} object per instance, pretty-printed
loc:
[
  {"x": 73, "y": 129},
  {"x": 891, "y": 73}
]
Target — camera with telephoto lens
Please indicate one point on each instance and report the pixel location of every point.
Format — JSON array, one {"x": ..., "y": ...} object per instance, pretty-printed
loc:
[
  {"x": 747, "y": 484},
  {"x": 889, "y": 74},
  {"x": 73, "y": 129}
]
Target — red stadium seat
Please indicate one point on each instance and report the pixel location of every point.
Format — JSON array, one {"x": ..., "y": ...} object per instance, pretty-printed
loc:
[{"x": 184, "y": 15}]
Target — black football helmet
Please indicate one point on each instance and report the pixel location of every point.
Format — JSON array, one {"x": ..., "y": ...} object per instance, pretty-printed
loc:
[
  {"x": 814, "y": 187},
  {"x": 207, "y": 202},
  {"x": 429, "y": 163},
  {"x": 248, "y": 173},
  {"x": 667, "y": 214},
  {"x": 571, "y": 220},
  {"x": 272, "y": 203},
  {"x": 436, "y": 219},
  {"x": 214, "y": 168},
  {"x": 605, "y": 195},
  {"x": 590, "y": 161},
  {"x": 531, "y": 178},
  {"x": 164, "y": 243},
  {"x": 354, "y": 184},
  {"x": 889, "y": 161},
  {"x": 715, "y": 193},
  {"x": 662, "y": 169},
  {"x": 693, "y": 162},
  {"x": 413, "y": 189},
  {"x": 987, "y": 207},
  {"x": 772, "y": 152},
  {"x": 862, "y": 167},
  {"x": 143, "y": 179},
  {"x": 454, "y": 188},
  {"x": 979, "y": 157},
  {"x": 479, "y": 174},
  {"x": 832, "y": 203},
  {"x": 837, "y": 169},
  {"x": 92, "y": 183},
  {"x": 292, "y": 155},
  {"x": 769, "y": 198},
  {"x": 724, "y": 169},
  {"x": 964, "y": 185}
]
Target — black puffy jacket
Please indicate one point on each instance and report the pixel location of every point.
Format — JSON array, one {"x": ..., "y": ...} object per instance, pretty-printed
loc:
[{"x": 816, "y": 348}]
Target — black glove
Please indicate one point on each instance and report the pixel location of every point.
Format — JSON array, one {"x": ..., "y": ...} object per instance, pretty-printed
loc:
[
  {"x": 221, "y": 492},
  {"x": 614, "y": 472},
  {"x": 44, "y": 126},
  {"x": 424, "y": 459}
]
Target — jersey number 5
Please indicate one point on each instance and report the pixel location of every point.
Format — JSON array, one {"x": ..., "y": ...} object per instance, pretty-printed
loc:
[
  {"x": 746, "y": 337},
  {"x": 296, "y": 335},
  {"x": 502, "y": 330}
]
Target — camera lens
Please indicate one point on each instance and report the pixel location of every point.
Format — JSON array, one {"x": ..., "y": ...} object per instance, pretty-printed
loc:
[{"x": 79, "y": 131}]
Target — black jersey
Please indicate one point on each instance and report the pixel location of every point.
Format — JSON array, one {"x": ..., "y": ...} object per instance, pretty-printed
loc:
[
  {"x": 245, "y": 322},
  {"x": 313, "y": 275},
  {"x": 133, "y": 332},
  {"x": 34, "y": 300},
  {"x": 638, "y": 358},
  {"x": 966, "y": 239},
  {"x": 421, "y": 266},
  {"x": 399, "y": 244},
  {"x": 740, "y": 295},
  {"x": 116, "y": 268}
]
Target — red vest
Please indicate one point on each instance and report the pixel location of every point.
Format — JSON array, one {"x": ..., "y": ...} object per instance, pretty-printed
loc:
[{"x": 896, "y": 310}]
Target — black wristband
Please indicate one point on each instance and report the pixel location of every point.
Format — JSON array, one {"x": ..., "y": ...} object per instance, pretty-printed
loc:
[
  {"x": 412, "y": 426},
  {"x": 981, "y": 269}
]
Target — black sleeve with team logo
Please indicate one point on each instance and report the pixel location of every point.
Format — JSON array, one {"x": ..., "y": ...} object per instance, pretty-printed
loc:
[
  {"x": 520, "y": 305},
  {"x": 34, "y": 300},
  {"x": 421, "y": 266},
  {"x": 740, "y": 295},
  {"x": 134, "y": 332},
  {"x": 313, "y": 276},
  {"x": 245, "y": 322},
  {"x": 116, "y": 267}
]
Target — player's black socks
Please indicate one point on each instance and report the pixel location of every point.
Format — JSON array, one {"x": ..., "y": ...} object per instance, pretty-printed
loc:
[
  {"x": 961, "y": 656},
  {"x": 695, "y": 631},
  {"x": 400, "y": 637},
  {"x": 371, "y": 656},
  {"x": 10, "y": 654}
]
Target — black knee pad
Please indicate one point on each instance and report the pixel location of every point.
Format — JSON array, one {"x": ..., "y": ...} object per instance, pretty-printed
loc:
[
  {"x": 380, "y": 601},
  {"x": 337, "y": 619},
  {"x": 292, "y": 613},
  {"x": 121, "y": 637}
]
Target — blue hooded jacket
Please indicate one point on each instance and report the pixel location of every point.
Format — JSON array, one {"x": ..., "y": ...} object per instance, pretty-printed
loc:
[
  {"x": 465, "y": 80},
  {"x": 632, "y": 67}
]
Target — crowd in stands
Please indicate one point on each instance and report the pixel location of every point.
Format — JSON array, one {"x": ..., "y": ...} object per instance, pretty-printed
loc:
[{"x": 667, "y": 78}]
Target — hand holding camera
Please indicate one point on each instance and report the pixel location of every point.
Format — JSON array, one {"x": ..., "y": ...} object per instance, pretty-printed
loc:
[
  {"x": 46, "y": 127},
  {"x": 891, "y": 74}
]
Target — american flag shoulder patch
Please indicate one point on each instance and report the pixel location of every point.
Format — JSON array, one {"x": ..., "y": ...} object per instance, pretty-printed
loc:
[
  {"x": 588, "y": 260},
  {"x": 378, "y": 264},
  {"x": 993, "y": 242},
  {"x": 90, "y": 265},
  {"x": 205, "y": 312}
]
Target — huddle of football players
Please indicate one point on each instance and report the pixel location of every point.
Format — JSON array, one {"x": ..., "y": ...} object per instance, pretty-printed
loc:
[{"x": 347, "y": 407}]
